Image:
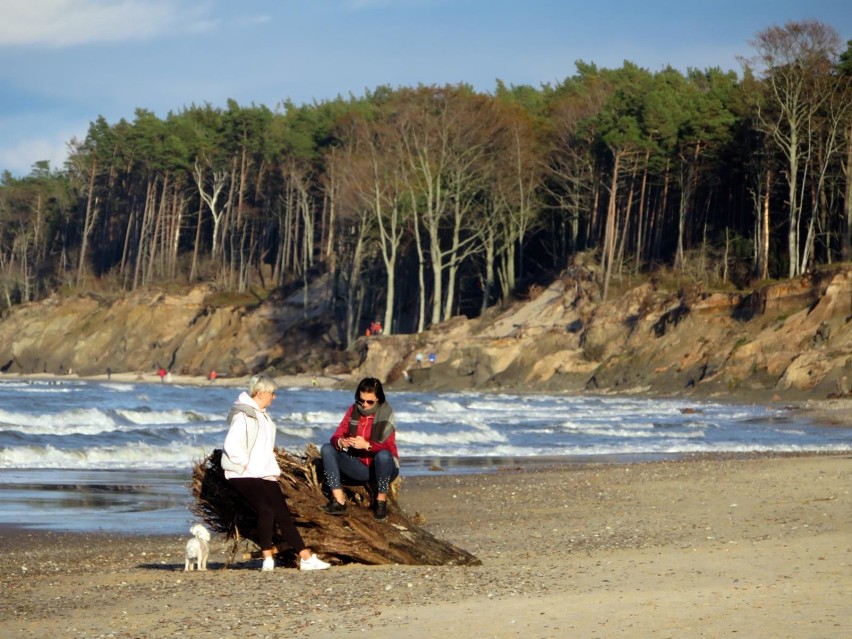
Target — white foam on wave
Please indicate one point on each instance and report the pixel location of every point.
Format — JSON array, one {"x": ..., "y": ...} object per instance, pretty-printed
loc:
[
  {"x": 80, "y": 421},
  {"x": 457, "y": 450},
  {"x": 121, "y": 388},
  {"x": 549, "y": 409},
  {"x": 166, "y": 416},
  {"x": 445, "y": 407},
  {"x": 680, "y": 448},
  {"x": 136, "y": 455},
  {"x": 172, "y": 427},
  {"x": 420, "y": 438},
  {"x": 638, "y": 433},
  {"x": 327, "y": 419},
  {"x": 306, "y": 432},
  {"x": 598, "y": 449},
  {"x": 447, "y": 422},
  {"x": 31, "y": 389},
  {"x": 204, "y": 428}
]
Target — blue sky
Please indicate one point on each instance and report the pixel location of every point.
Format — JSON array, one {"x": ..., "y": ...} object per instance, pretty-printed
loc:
[{"x": 65, "y": 62}]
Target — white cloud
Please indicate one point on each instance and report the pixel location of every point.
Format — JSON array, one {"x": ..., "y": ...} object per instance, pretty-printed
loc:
[
  {"x": 34, "y": 142},
  {"x": 62, "y": 23},
  {"x": 19, "y": 159}
]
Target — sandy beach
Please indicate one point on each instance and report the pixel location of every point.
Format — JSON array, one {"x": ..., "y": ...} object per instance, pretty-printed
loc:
[{"x": 706, "y": 547}]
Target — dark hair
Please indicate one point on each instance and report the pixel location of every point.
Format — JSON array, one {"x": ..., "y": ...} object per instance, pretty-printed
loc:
[{"x": 370, "y": 385}]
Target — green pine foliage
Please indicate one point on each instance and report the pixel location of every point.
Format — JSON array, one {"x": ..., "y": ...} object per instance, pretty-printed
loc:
[{"x": 414, "y": 204}]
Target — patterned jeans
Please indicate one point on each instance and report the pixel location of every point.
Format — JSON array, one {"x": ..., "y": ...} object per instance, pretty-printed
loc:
[{"x": 335, "y": 462}]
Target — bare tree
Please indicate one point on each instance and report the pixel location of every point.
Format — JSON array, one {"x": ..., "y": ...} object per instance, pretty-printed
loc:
[
  {"x": 794, "y": 60},
  {"x": 571, "y": 168},
  {"x": 517, "y": 190},
  {"x": 381, "y": 189},
  {"x": 219, "y": 181},
  {"x": 86, "y": 168}
]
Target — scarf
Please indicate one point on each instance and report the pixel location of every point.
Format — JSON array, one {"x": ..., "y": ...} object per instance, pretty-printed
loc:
[{"x": 383, "y": 421}]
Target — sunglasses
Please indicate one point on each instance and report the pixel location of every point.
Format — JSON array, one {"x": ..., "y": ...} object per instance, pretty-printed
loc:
[{"x": 366, "y": 402}]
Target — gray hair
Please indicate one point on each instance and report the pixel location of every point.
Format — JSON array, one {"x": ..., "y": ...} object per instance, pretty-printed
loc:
[{"x": 260, "y": 384}]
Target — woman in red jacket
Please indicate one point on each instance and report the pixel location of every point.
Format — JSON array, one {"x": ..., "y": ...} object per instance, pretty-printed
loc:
[{"x": 363, "y": 448}]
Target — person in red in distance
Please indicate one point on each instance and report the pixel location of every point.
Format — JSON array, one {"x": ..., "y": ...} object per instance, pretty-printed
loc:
[{"x": 363, "y": 449}]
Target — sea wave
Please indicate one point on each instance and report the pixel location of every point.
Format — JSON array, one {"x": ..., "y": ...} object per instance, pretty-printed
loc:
[
  {"x": 448, "y": 440},
  {"x": 107, "y": 457},
  {"x": 76, "y": 421},
  {"x": 148, "y": 416}
]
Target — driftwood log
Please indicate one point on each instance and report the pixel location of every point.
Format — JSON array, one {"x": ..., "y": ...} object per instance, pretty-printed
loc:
[{"x": 355, "y": 537}]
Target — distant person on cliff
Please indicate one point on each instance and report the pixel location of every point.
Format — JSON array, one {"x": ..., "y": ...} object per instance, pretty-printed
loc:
[
  {"x": 250, "y": 467},
  {"x": 363, "y": 449}
]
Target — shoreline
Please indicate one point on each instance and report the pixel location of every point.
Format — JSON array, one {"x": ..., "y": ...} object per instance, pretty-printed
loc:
[
  {"x": 296, "y": 381},
  {"x": 696, "y": 547},
  {"x": 111, "y": 501}
]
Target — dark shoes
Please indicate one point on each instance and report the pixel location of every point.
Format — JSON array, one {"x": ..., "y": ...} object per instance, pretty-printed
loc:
[
  {"x": 334, "y": 507},
  {"x": 381, "y": 510}
]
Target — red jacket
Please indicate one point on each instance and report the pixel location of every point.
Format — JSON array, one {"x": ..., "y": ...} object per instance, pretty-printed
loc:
[{"x": 365, "y": 430}]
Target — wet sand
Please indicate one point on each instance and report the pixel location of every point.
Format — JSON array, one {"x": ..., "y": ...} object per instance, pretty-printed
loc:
[{"x": 705, "y": 547}]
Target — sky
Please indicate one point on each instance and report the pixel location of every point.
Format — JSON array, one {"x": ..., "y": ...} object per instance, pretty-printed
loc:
[{"x": 64, "y": 63}]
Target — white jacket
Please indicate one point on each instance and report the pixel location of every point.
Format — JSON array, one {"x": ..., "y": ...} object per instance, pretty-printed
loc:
[{"x": 250, "y": 443}]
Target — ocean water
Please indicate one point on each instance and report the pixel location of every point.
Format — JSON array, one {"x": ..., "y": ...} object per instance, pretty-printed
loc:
[{"x": 88, "y": 456}]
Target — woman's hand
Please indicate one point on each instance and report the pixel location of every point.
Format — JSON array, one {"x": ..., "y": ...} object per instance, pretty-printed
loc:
[{"x": 358, "y": 442}]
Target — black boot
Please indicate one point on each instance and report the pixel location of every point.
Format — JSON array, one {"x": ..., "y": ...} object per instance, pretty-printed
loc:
[
  {"x": 334, "y": 507},
  {"x": 381, "y": 510}
]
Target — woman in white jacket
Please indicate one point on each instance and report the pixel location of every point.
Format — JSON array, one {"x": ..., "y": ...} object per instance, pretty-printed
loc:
[{"x": 250, "y": 467}]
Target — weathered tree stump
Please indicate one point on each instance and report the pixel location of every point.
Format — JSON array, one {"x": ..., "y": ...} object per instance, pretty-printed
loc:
[{"x": 355, "y": 537}]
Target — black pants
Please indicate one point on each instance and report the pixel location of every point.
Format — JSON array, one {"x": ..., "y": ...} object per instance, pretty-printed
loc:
[{"x": 266, "y": 498}]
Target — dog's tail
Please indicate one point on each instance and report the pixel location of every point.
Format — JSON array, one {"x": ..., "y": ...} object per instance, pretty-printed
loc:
[{"x": 200, "y": 532}]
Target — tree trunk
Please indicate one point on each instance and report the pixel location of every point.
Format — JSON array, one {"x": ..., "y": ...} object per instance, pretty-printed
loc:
[
  {"x": 764, "y": 237},
  {"x": 355, "y": 537},
  {"x": 196, "y": 247},
  {"x": 640, "y": 230},
  {"x": 88, "y": 223},
  {"x": 611, "y": 227},
  {"x": 847, "y": 229},
  {"x": 160, "y": 212},
  {"x": 220, "y": 179},
  {"x": 421, "y": 266},
  {"x": 144, "y": 233}
]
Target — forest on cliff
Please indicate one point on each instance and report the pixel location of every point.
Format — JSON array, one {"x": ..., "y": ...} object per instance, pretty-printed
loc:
[{"x": 421, "y": 203}]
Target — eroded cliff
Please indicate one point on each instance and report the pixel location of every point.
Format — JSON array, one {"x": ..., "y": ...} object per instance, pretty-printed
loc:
[
  {"x": 793, "y": 337},
  {"x": 790, "y": 338}
]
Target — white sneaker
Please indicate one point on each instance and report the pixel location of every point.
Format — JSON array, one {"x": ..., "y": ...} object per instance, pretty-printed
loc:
[
  {"x": 313, "y": 563},
  {"x": 268, "y": 564}
]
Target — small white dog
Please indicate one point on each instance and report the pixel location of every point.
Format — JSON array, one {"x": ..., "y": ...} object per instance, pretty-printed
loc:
[{"x": 197, "y": 548}]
